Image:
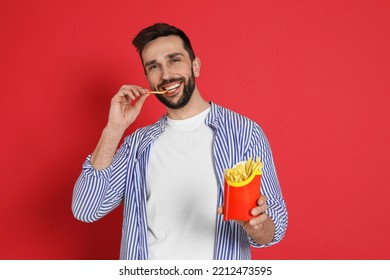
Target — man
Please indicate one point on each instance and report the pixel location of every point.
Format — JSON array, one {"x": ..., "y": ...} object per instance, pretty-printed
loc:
[{"x": 170, "y": 174}]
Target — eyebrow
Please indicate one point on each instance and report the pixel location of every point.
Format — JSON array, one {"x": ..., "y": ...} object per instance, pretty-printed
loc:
[{"x": 172, "y": 55}]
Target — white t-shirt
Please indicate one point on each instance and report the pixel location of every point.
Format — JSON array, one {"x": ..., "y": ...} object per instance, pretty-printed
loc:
[{"x": 182, "y": 191}]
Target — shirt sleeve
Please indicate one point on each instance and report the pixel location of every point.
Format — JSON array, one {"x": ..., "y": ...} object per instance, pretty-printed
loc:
[
  {"x": 269, "y": 187},
  {"x": 98, "y": 192}
]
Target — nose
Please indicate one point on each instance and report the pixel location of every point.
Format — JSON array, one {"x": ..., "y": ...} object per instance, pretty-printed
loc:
[{"x": 166, "y": 72}]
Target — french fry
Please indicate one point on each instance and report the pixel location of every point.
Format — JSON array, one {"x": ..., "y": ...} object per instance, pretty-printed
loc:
[{"x": 242, "y": 171}]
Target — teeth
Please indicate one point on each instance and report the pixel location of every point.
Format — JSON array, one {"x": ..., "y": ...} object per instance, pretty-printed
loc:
[{"x": 172, "y": 87}]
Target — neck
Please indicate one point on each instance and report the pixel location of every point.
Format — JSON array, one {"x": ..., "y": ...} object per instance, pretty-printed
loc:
[{"x": 195, "y": 106}]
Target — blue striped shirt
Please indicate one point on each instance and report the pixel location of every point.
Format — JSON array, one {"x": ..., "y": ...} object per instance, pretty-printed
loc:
[{"x": 97, "y": 192}]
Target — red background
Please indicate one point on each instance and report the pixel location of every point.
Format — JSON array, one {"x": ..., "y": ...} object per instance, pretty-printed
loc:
[{"x": 313, "y": 74}]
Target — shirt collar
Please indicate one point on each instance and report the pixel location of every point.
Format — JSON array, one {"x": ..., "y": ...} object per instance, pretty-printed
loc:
[
  {"x": 211, "y": 119},
  {"x": 213, "y": 116}
]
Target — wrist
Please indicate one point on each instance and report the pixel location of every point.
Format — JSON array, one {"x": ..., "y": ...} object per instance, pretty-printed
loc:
[
  {"x": 106, "y": 147},
  {"x": 113, "y": 131}
]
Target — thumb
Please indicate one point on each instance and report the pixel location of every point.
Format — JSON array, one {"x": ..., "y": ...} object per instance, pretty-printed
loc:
[
  {"x": 138, "y": 104},
  {"x": 220, "y": 210}
]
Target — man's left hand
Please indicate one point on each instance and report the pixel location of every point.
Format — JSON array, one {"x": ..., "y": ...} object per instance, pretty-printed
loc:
[{"x": 260, "y": 228}]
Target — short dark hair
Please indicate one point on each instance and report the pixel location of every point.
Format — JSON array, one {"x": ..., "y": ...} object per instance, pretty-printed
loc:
[{"x": 157, "y": 30}]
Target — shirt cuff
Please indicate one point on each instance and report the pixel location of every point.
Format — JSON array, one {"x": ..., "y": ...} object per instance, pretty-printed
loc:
[{"x": 92, "y": 172}]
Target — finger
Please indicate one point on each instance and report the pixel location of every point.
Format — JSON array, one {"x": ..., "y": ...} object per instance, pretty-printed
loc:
[
  {"x": 137, "y": 91},
  {"x": 262, "y": 200},
  {"x": 259, "y": 210},
  {"x": 220, "y": 210},
  {"x": 257, "y": 222},
  {"x": 140, "y": 101},
  {"x": 123, "y": 96},
  {"x": 131, "y": 91},
  {"x": 256, "y": 211},
  {"x": 130, "y": 87}
]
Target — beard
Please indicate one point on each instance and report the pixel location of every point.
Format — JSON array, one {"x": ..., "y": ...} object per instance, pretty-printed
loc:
[{"x": 188, "y": 90}]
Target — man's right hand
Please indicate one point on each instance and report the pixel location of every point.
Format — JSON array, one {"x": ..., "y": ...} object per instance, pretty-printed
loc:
[{"x": 126, "y": 106}]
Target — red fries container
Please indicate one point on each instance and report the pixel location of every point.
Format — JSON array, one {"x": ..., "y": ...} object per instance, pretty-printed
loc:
[{"x": 240, "y": 198}]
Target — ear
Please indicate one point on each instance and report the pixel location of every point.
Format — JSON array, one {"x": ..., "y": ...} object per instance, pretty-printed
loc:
[{"x": 196, "y": 66}]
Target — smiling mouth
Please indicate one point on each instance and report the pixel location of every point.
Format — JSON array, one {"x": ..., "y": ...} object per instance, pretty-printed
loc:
[{"x": 172, "y": 87}]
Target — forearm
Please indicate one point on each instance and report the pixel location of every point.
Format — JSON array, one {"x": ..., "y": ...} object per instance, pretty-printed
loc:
[{"x": 106, "y": 148}]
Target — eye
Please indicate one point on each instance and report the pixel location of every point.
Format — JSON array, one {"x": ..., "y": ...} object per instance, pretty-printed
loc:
[
  {"x": 175, "y": 59},
  {"x": 152, "y": 67}
]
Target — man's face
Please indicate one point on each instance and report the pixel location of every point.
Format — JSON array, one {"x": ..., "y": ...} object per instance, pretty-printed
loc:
[{"x": 169, "y": 67}]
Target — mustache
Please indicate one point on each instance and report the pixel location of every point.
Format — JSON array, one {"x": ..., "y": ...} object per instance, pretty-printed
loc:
[{"x": 165, "y": 82}]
